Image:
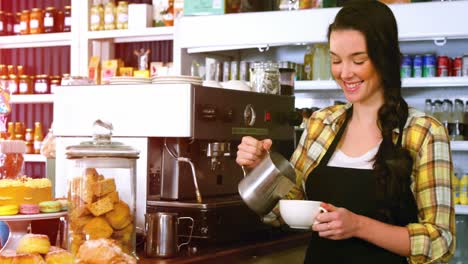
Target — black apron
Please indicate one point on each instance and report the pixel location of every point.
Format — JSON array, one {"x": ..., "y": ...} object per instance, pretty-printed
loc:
[{"x": 355, "y": 190}]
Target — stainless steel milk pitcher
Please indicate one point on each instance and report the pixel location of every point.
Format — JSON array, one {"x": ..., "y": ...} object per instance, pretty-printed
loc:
[
  {"x": 161, "y": 234},
  {"x": 267, "y": 183}
]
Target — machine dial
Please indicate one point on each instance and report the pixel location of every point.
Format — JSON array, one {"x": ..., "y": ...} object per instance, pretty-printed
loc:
[{"x": 249, "y": 115}]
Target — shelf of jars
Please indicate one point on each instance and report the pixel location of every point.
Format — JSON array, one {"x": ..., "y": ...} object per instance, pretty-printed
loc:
[
  {"x": 406, "y": 83},
  {"x": 36, "y": 40},
  {"x": 34, "y": 158},
  {"x": 133, "y": 35},
  {"x": 461, "y": 209},
  {"x": 31, "y": 98},
  {"x": 222, "y": 32}
]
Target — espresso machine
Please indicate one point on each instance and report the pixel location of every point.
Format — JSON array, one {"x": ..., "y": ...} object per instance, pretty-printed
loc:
[
  {"x": 198, "y": 176},
  {"x": 187, "y": 136}
]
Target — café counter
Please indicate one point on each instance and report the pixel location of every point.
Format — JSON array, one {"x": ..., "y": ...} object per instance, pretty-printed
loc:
[{"x": 290, "y": 248}]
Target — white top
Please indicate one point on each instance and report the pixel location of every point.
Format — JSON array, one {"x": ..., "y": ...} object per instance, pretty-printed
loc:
[{"x": 365, "y": 162}]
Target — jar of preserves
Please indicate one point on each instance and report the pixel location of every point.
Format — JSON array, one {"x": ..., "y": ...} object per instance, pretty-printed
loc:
[
  {"x": 265, "y": 77},
  {"x": 42, "y": 84},
  {"x": 29, "y": 138},
  {"x": 24, "y": 22},
  {"x": 3, "y": 69},
  {"x": 60, "y": 21},
  {"x": 3, "y": 81},
  {"x": 11, "y": 69},
  {"x": 11, "y": 154},
  {"x": 13, "y": 83},
  {"x": 24, "y": 84},
  {"x": 17, "y": 24},
  {"x": 36, "y": 21},
  {"x": 122, "y": 15},
  {"x": 54, "y": 82},
  {"x": 96, "y": 17},
  {"x": 19, "y": 130},
  {"x": 3, "y": 22},
  {"x": 109, "y": 167},
  {"x": 109, "y": 15},
  {"x": 49, "y": 20},
  {"x": 19, "y": 70},
  {"x": 67, "y": 20}
]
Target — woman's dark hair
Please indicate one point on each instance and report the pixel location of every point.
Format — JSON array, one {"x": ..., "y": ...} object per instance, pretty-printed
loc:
[{"x": 393, "y": 164}]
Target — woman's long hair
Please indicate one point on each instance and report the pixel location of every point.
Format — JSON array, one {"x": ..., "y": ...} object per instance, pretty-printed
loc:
[{"x": 393, "y": 164}]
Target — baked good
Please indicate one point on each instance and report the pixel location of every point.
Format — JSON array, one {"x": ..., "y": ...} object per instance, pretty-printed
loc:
[
  {"x": 59, "y": 257},
  {"x": 63, "y": 203},
  {"x": 103, "y": 251},
  {"x": 97, "y": 228},
  {"x": 103, "y": 187},
  {"x": 33, "y": 243},
  {"x": 12, "y": 158},
  {"x": 29, "y": 209},
  {"x": 9, "y": 209},
  {"x": 101, "y": 206},
  {"x": 113, "y": 196},
  {"x": 50, "y": 206},
  {"x": 15, "y": 258},
  {"x": 25, "y": 191},
  {"x": 120, "y": 216}
]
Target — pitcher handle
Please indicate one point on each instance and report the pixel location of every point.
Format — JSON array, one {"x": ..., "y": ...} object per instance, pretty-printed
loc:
[{"x": 191, "y": 231}]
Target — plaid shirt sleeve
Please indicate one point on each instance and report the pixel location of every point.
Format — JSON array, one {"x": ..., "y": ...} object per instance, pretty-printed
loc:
[{"x": 433, "y": 237}]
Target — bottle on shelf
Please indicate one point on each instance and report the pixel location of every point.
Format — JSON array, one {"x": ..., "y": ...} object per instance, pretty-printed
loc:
[
  {"x": 308, "y": 62},
  {"x": 458, "y": 112},
  {"x": 446, "y": 116},
  {"x": 50, "y": 15},
  {"x": 321, "y": 63},
  {"x": 428, "y": 107},
  {"x": 11, "y": 130},
  {"x": 38, "y": 137},
  {"x": 29, "y": 138},
  {"x": 67, "y": 20},
  {"x": 465, "y": 122},
  {"x": 24, "y": 23},
  {"x": 122, "y": 15},
  {"x": 109, "y": 15},
  {"x": 464, "y": 190},
  {"x": 36, "y": 20},
  {"x": 456, "y": 188},
  {"x": 96, "y": 17}
]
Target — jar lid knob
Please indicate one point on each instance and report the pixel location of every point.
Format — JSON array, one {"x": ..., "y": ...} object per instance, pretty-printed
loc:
[{"x": 102, "y": 132}]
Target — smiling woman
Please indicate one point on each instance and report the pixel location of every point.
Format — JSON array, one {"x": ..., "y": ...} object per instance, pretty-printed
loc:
[{"x": 381, "y": 168}]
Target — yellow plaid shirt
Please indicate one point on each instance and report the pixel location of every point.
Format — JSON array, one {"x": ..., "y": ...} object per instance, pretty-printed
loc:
[{"x": 433, "y": 237}]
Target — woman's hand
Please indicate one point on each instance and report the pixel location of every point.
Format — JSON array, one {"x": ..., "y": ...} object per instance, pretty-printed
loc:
[
  {"x": 251, "y": 151},
  {"x": 337, "y": 223}
]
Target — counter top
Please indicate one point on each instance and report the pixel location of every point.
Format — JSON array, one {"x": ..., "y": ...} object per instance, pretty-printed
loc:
[{"x": 291, "y": 244}]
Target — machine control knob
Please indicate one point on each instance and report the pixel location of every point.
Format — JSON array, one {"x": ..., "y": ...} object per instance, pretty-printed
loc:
[
  {"x": 249, "y": 115},
  {"x": 228, "y": 115}
]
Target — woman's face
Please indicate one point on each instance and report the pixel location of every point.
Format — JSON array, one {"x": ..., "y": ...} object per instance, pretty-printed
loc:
[{"x": 352, "y": 68}]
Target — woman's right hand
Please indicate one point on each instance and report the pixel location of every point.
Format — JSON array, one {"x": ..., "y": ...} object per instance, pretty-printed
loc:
[{"x": 251, "y": 151}]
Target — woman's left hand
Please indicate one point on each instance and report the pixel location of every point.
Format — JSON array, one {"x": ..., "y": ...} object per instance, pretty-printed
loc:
[{"x": 336, "y": 224}]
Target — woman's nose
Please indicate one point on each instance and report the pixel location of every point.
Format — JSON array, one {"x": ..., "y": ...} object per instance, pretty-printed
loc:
[{"x": 346, "y": 71}]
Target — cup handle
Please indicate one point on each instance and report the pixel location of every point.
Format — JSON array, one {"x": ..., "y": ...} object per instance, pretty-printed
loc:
[
  {"x": 191, "y": 231},
  {"x": 322, "y": 210}
]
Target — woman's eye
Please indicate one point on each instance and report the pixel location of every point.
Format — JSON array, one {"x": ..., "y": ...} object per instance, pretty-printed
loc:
[
  {"x": 359, "y": 62},
  {"x": 336, "y": 62}
]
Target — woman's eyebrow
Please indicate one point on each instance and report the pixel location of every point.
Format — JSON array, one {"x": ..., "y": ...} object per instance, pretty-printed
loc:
[{"x": 353, "y": 54}]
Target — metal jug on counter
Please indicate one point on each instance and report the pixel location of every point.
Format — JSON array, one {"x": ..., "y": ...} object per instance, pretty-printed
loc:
[
  {"x": 161, "y": 234},
  {"x": 267, "y": 183}
]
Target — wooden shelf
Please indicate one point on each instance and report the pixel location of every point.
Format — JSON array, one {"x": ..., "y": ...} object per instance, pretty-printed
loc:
[
  {"x": 34, "y": 158},
  {"x": 32, "y": 98},
  {"x": 34, "y": 41},
  {"x": 129, "y": 35},
  {"x": 406, "y": 83}
]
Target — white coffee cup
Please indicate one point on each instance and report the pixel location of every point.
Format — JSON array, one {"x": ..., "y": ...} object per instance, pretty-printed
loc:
[{"x": 300, "y": 214}]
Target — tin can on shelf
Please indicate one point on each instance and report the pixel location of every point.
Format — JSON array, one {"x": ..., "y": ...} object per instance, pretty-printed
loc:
[
  {"x": 443, "y": 69},
  {"x": 417, "y": 66},
  {"x": 429, "y": 65},
  {"x": 457, "y": 66},
  {"x": 465, "y": 65},
  {"x": 405, "y": 68}
]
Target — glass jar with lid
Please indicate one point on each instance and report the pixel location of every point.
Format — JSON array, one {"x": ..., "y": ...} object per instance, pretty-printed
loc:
[
  {"x": 13, "y": 83},
  {"x": 24, "y": 22},
  {"x": 17, "y": 24},
  {"x": 10, "y": 20},
  {"x": 109, "y": 15},
  {"x": 122, "y": 15},
  {"x": 101, "y": 190},
  {"x": 42, "y": 84},
  {"x": 67, "y": 20},
  {"x": 54, "y": 82},
  {"x": 96, "y": 16},
  {"x": 24, "y": 84},
  {"x": 49, "y": 19},
  {"x": 3, "y": 82},
  {"x": 265, "y": 77},
  {"x": 36, "y": 21}
]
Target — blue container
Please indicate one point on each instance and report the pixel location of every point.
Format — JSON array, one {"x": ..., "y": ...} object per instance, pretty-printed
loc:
[
  {"x": 417, "y": 66},
  {"x": 4, "y": 232},
  {"x": 429, "y": 65},
  {"x": 405, "y": 68}
]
